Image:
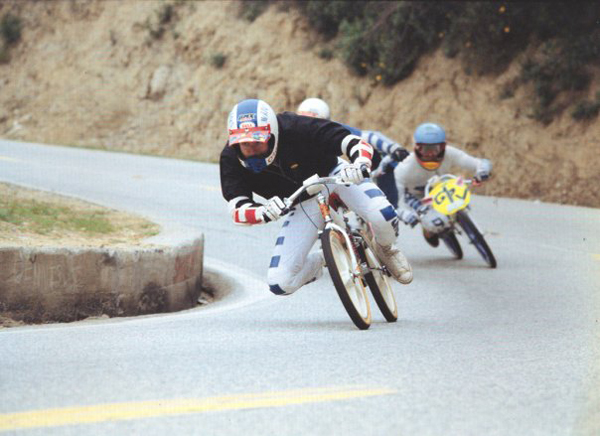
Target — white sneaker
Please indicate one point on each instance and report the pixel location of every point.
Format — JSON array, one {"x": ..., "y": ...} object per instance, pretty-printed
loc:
[{"x": 396, "y": 262}]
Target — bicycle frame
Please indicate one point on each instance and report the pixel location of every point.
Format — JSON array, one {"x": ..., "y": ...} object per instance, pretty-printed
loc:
[{"x": 332, "y": 219}]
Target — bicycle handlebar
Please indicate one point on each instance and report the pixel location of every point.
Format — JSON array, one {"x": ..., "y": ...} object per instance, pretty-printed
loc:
[
  {"x": 307, "y": 184},
  {"x": 315, "y": 180}
]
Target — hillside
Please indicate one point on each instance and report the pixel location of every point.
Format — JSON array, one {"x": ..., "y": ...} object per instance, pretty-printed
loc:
[{"x": 123, "y": 76}]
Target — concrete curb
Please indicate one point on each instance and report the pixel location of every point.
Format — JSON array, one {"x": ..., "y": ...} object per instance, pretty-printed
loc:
[{"x": 46, "y": 284}]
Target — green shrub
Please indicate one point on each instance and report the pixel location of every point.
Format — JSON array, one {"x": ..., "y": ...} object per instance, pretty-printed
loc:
[
  {"x": 4, "y": 56},
  {"x": 218, "y": 60},
  {"x": 10, "y": 28},
  {"x": 250, "y": 10},
  {"x": 586, "y": 110},
  {"x": 326, "y": 53},
  {"x": 165, "y": 14},
  {"x": 327, "y": 16},
  {"x": 163, "y": 20},
  {"x": 385, "y": 40}
]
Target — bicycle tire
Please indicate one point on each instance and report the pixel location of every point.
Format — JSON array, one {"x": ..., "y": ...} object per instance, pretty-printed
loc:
[
  {"x": 476, "y": 238},
  {"x": 451, "y": 241},
  {"x": 378, "y": 283},
  {"x": 348, "y": 286}
]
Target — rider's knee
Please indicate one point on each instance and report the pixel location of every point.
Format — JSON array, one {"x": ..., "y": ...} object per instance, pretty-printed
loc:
[
  {"x": 281, "y": 282},
  {"x": 278, "y": 290},
  {"x": 385, "y": 222},
  {"x": 434, "y": 222}
]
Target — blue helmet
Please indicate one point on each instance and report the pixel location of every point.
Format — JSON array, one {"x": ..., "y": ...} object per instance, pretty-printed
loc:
[
  {"x": 429, "y": 133},
  {"x": 430, "y": 145}
]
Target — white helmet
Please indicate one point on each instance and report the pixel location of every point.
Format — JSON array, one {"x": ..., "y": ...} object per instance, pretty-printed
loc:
[
  {"x": 253, "y": 121},
  {"x": 314, "y": 107}
]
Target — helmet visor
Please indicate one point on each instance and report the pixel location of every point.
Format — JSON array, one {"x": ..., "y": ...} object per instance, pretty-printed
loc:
[
  {"x": 430, "y": 152},
  {"x": 249, "y": 134}
]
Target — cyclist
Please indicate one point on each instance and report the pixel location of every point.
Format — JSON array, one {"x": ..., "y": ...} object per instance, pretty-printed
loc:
[
  {"x": 271, "y": 155},
  {"x": 391, "y": 151},
  {"x": 432, "y": 157}
]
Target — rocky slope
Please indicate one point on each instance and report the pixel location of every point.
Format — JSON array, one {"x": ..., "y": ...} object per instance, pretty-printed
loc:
[{"x": 126, "y": 76}]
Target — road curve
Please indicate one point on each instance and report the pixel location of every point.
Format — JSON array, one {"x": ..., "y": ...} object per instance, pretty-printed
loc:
[{"x": 510, "y": 351}]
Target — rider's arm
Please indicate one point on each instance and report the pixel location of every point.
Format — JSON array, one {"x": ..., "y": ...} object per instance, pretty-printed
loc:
[
  {"x": 336, "y": 138},
  {"x": 243, "y": 210},
  {"x": 475, "y": 166},
  {"x": 357, "y": 150},
  {"x": 381, "y": 142}
]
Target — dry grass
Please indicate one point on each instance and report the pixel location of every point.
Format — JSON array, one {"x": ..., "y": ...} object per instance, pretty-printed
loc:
[{"x": 36, "y": 218}]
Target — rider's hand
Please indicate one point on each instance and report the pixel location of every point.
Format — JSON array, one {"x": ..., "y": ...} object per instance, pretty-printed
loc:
[
  {"x": 409, "y": 217},
  {"x": 422, "y": 210},
  {"x": 484, "y": 170},
  {"x": 481, "y": 176},
  {"x": 273, "y": 210},
  {"x": 398, "y": 153},
  {"x": 352, "y": 173}
]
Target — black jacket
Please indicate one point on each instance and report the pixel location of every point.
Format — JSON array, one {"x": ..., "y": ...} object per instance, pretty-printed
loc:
[{"x": 306, "y": 146}]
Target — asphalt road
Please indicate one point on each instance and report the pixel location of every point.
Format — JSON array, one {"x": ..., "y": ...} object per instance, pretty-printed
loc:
[{"x": 510, "y": 351}]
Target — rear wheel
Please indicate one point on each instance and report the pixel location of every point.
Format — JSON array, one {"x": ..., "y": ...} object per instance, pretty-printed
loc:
[
  {"x": 453, "y": 245},
  {"x": 476, "y": 238},
  {"x": 346, "y": 278},
  {"x": 378, "y": 281}
]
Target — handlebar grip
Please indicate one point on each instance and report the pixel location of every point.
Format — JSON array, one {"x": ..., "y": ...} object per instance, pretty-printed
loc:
[{"x": 364, "y": 169}]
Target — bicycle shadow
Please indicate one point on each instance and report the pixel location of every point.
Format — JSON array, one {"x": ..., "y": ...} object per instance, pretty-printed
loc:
[{"x": 447, "y": 263}]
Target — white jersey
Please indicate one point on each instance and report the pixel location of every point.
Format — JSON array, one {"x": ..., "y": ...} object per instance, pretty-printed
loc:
[{"x": 411, "y": 177}]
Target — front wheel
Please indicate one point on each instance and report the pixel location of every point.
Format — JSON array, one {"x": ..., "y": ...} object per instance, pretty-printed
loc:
[
  {"x": 452, "y": 243},
  {"x": 379, "y": 284},
  {"x": 476, "y": 238},
  {"x": 346, "y": 278}
]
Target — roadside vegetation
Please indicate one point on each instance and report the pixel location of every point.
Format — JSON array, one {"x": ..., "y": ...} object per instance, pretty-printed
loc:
[
  {"x": 557, "y": 43},
  {"x": 34, "y": 217},
  {"x": 10, "y": 31}
]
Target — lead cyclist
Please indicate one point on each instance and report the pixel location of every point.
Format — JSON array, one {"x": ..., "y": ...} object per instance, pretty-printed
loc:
[
  {"x": 391, "y": 152},
  {"x": 270, "y": 155}
]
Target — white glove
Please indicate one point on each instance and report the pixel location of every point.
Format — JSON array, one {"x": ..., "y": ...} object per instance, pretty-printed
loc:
[
  {"x": 398, "y": 152},
  {"x": 273, "y": 209},
  {"x": 409, "y": 217},
  {"x": 481, "y": 176},
  {"x": 351, "y": 173},
  {"x": 483, "y": 171}
]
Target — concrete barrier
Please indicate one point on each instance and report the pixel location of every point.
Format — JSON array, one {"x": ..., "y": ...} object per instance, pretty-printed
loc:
[{"x": 46, "y": 284}]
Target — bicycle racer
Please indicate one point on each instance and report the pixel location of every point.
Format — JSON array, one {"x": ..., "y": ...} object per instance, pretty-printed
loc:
[{"x": 270, "y": 155}]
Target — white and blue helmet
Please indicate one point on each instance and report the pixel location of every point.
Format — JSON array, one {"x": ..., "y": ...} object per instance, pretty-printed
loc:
[
  {"x": 314, "y": 107},
  {"x": 253, "y": 120}
]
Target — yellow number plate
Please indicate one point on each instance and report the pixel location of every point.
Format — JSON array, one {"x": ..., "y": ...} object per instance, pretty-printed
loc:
[{"x": 450, "y": 196}]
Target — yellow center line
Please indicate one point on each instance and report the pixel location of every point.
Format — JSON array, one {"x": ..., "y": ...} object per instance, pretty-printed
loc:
[
  {"x": 146, "y": 409},
  {"x": 210, "y": 188},
  {"x": 10, "y": 159}
]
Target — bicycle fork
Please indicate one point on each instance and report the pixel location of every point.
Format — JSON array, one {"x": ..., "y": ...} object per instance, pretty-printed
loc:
[{"x": 350, "y": 243}]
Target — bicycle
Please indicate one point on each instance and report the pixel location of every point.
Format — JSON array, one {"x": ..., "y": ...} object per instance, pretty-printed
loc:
[
  {"x": 450, "y": 195},
  {"x": 349, "y": 255}
]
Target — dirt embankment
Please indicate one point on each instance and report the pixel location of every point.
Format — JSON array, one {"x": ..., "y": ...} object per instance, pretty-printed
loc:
[{"x": 110, "y": 75}]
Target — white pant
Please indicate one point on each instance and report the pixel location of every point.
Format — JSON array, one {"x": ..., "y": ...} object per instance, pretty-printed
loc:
[
  {"x": 291, "y": 264},
  {"x": 435, "y": 222}
]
